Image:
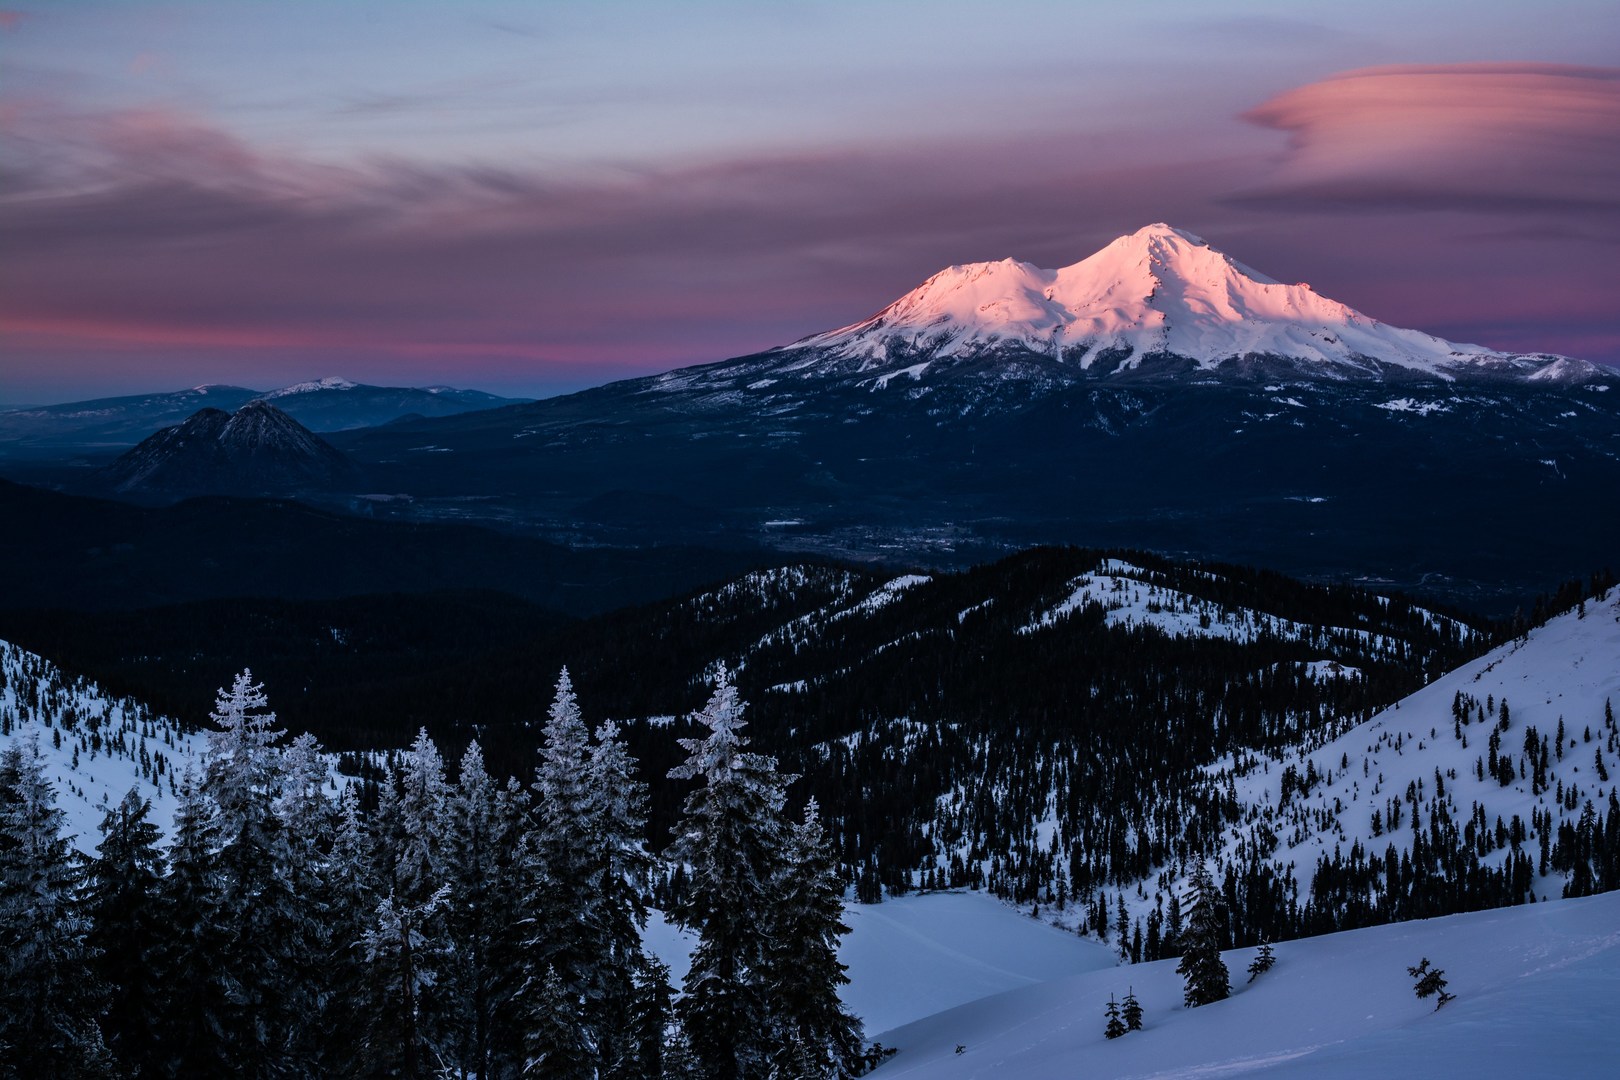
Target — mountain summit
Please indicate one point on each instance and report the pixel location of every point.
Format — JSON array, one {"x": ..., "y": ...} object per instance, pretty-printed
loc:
[
  {"x": 257, "y": 450},
  {"x": 1158, "y": 302}
]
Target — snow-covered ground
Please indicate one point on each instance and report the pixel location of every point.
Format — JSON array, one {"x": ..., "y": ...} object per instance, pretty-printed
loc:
[
  {"x": 95, "y": 746},
  {"x": 917, "y": 955},
  {"x": 1537, "y": 990}
]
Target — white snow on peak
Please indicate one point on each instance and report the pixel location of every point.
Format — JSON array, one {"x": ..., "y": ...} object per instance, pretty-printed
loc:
[
  {"x": 331, "y": 382},
  {"x": 1157, "y": 290}
]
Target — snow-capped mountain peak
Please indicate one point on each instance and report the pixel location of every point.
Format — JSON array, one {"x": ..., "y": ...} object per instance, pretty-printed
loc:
[
  {"x": 331, "y": 382},
  {"x": 1158, "y": 293}
]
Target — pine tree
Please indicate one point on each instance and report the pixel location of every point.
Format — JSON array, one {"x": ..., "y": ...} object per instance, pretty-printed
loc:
[
  {"x": 1207, "y": 977},
  {"x": 731, "y": 838},
  {"x": 1262, "y": 962},
  {"x": 817, "y": 1035},
  {"x": 127, "y": 926},
  {"x": 49, "y": 996},
  {"x": 1132, "y": 1011},
  {"x": 1115, "y": 1026}
]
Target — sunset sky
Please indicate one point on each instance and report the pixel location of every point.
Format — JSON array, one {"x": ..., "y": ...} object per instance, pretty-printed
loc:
[{"x": 536, "y": 197}]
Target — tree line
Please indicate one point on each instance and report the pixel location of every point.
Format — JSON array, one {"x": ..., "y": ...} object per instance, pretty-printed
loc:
[{"x": 454, "y": 927}]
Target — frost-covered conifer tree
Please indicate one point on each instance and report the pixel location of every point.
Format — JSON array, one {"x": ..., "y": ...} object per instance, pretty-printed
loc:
[
  {"x": 123, "y": 904},
  {"x": 402, "y": 957},
  {"x": 559, "y": 954},
  {"x": 49, "y": 996},
  {"x": 817, "y": 1036},
  {"x": 1201, "y": 964},
  {"x": 480, "y": 868},
  {"x": 196, "y": 1008},
  {"x": 263, "y": 921},
  {"x": 732, "y": 839},
  {"x": 616, "y": 815}
]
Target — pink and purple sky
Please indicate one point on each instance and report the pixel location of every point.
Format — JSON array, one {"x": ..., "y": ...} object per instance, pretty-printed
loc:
[{"x": 537, "y": 197}]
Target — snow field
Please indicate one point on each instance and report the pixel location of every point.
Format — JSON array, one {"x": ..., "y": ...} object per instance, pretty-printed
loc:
[{"x": 1537, "y": 990}]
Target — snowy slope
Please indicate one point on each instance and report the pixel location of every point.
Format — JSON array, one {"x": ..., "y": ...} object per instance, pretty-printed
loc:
[
  {"x": 1537, "y": 989},
  {"x": 96, "y": 746},
  {"x": 1158, "y": 291},
  {"x": 911, "y": 957},
  {"x": 1566, "y": 671}
]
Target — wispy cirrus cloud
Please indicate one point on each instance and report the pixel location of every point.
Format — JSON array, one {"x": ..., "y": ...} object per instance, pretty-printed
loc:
[{"x": 1488, "y": 137}]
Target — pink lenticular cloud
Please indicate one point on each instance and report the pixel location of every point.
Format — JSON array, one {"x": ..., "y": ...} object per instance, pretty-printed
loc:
[{"x": 1473, "y": 136}]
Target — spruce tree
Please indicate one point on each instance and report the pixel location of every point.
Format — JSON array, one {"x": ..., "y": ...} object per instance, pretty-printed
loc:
[
  {"x": 817, "y": 1036},
  {"x": 49, "y": 996},
  {"x": 731, "y": 838},
  {"x": 1206, "y": 974},
  {"x": 127, "y": 927}
]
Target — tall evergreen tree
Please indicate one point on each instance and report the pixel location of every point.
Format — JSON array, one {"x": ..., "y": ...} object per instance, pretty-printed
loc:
[
  {"x": 195, "y": 999},
  {"x": 817, "y": 1036},
  {"x": 1207, "y": 977},
  {"x": 480, "y": 867},
  {"x": 731, "y": 838},
  {"x": 559, "y": 949},
  {"x": 263, "y": 921},
  {"x": 49, "y": 997},
  {"x": 127, "y": 927},
  {"x": 616, "y": 815}
]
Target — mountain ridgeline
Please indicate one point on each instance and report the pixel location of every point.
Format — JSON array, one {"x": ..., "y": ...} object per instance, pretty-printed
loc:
[{"x": 1155, "y": 395}]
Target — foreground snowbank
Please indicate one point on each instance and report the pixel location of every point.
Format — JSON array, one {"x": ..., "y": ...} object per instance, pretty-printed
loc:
[{"x": 1537, "y": 987}]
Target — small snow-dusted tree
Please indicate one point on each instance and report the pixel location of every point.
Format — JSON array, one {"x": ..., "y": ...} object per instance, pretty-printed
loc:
[
  {"x": 1263, "y": 962},
  {"x": 731, "y": 838},
  {"x": 1115, "y": 1026},
  {"x": 49, "y": 996},
  {"x": 1205, "y": 972},
  {"x": 1430, "y": 981},
  {"x": 1132, "y": 1011}
]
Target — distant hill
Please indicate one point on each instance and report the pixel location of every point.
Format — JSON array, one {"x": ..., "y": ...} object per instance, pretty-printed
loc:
[
  {"x": 257, "y": 450},
  {"x": 330, "y": 404}
]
